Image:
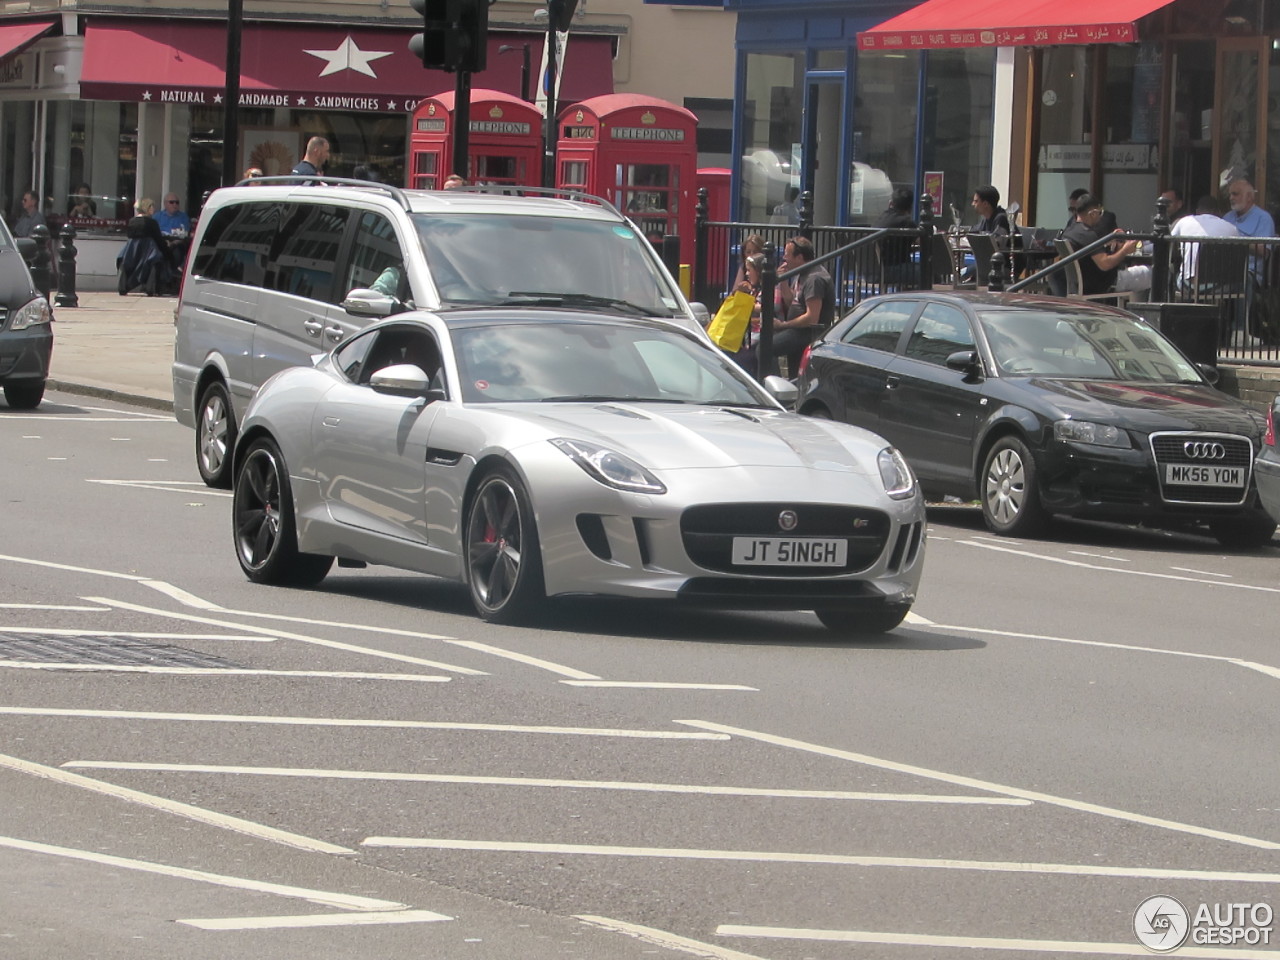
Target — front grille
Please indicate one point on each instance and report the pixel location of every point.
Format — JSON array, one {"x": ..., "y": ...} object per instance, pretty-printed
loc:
[
  {"x": 708, "y": 532},
  {"x": 1171, "y": 448}
]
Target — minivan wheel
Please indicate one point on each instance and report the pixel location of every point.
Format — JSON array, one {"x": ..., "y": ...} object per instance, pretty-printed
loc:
[
  {"x": 1011, "y": 503},
  {"x": 263, "y": 522},
  {"x": 503, "y": 559},
  {"x": 24, "y": 394},
  {"x": 215, "y": 435}
]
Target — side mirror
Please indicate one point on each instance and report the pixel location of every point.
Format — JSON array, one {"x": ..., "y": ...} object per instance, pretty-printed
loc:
[
  {"x": 701, "y": 313},
  {"x": 782, "y": 390},
  {"x": 369, "y": 303},
  {"x": 401, "y": 380},
  {"x": 966, "y": 362},
  {"x": 1209, "y": 372}
]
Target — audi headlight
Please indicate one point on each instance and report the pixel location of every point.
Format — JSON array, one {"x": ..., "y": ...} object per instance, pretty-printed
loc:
[
  {"x": 1082, "y": 431},
  {"x": 896, "y": 475},
  {"x": 609, "y": 467},
  {"x": 30, "y": 314}
]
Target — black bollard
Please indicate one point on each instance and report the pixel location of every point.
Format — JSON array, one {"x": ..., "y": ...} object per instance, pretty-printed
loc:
[
  {"x": 996, "y": 278},
  {"x": 67, "y": 267},
  {"x": 40, "y": 262}
]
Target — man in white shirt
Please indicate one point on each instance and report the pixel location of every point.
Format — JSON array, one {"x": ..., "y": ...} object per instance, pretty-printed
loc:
[{"x": 1205, "y": 222}]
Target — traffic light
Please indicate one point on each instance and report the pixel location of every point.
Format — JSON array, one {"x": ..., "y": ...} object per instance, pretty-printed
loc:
[{"x": 454, "y": 34}]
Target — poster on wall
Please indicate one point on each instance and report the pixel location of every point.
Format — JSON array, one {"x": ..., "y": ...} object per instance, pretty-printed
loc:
[
  {"x": 272, "y": 151},
  {"x": 933, "y": 181}
]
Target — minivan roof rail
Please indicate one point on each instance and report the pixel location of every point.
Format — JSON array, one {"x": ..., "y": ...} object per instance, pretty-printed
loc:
[
  {"x": 518, "y": 190},
  {"x": 322, "y": 181}
]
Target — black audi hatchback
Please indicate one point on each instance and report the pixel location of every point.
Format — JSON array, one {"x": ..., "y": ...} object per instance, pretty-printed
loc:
[
  {"x": 26, "y": 334},
  {"x": 1038, "y": 406}
]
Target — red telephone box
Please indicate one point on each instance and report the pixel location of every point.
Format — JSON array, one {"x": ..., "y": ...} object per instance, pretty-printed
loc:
[
  {"x": 640, "y": 153},
  {"x": 504, "y": 144}
]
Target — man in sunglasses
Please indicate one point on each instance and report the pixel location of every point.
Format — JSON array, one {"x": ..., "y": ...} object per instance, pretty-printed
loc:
[{"x": 1103, "y": 271}]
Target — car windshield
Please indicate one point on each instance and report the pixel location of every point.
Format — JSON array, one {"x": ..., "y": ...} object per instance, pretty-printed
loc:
[
  {"x": 512, "y": 259},
  {"x": 1035, "y": 343},
  {"x": 595, "y": 361}
]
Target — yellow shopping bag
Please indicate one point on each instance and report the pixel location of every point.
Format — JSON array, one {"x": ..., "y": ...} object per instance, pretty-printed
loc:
[{"x": 729, "y": 325}]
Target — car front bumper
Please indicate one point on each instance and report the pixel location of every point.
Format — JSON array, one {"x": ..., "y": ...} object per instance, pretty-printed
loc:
[{"x": 25, "y": 354}]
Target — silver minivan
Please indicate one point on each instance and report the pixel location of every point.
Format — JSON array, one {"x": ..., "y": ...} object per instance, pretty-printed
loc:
[{"x": 283, "y": 270}]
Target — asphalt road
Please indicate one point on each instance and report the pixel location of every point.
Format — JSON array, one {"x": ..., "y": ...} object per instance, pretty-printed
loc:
[{"x": 195, "y": 766}]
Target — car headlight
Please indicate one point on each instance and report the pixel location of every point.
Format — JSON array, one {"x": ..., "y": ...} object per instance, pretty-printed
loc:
[
  {"x": 31, "y": 313},
  {"x": 609, "y": 467},
  {"x": 1082, "y": 431},
  {"x": 896, "y": 475}
]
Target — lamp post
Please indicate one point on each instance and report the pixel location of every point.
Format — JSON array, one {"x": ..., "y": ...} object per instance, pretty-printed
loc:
[
  {"x": 230, "y": 117},
  {"x": 525, "y": 68}
]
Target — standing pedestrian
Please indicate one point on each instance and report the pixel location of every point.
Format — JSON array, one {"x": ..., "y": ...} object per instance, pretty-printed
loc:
[
  {"x": 31, "y": 216},
  {"x": 316, "y": 157}
]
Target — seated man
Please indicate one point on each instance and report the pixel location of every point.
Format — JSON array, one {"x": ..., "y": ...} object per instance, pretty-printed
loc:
[
  {"x": 1207, "y": 221},
  {"x": 1101, "y": 272}
]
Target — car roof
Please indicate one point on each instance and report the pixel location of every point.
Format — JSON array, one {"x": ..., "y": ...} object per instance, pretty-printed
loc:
[
  {"x": 987, "y": 301},
  {"x": 468, "y": 200}
]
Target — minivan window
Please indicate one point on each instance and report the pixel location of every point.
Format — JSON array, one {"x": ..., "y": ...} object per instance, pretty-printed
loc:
[
  {"x": 237, "y": 242},
  {"x": 504, "y": 258},
  {"x": 306, "y": 257},
  {"x": 376, "y": 256}
]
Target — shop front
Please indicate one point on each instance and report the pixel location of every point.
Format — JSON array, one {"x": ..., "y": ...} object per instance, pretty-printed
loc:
[{"x": 134, "y": 107}]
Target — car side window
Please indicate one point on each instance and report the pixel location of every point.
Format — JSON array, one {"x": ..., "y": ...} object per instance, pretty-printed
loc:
[
  {"x": 350, "y": 356},
  {"x": 396, "y": 345},
  {"x": 234, "y": 247},
  {"x": 940, "y": 332},
  {"x": 305, "y": 259},
  {"x": 376, "y": 261},
  {"x": 880, "y": 328}
]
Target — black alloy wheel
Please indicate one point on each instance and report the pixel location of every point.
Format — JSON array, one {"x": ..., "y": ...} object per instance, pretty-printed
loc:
[
  {"x": 215, "y": 435},
  {"x": 502, "y": 557},
  {"x": 1011, "y": 503},
  {"x": 264, "y": 527}
]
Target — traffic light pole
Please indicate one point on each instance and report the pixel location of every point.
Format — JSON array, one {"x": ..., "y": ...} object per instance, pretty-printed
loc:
[
  {"x": 550, "y": 83},
  {"x": 461, "y": 121}
]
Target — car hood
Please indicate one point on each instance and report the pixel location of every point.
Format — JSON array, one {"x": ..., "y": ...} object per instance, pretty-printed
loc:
[
  {"x": 677, "y": 436},
  {"x": 1149, "y": 407}
]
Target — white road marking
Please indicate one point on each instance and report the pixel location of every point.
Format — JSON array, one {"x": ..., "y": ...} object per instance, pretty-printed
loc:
[
  {"x": 134, "y": 634},
  {"x": 73, "y": 569},
  {"x": 191, "y": 600},
  {"x": 132, "y": 415},
  {"x": 157, "y": 459},
  {"x": 1203, "y": 573},
  {"x": 915, "y": 618},
  {"x": 637, "y": 786},
  {"x": 824, "y": 859},
  {"x": 221, "y": 671},
  {"x": 122, "y": 438},
  {"x": 169, "y": 486},
  {"x": 57, "y": 458},
  {"x": 1100, "y": 556},
  {"x": 318, "y": 920},
  {"x": 975, "y": 784},
  {"x": 199, "y": 814},
  {"x": 662, "y": 938},
  {"x": 374, "y": 724},
  {"x": 326, "y": 898},
  {"x": 1132, "y": 573},
  {"x": 1260, "y": 667},
  {"x": 284, "y": 635},
  {"x": 74, "y": 419},
  {"x": 983, "y": 943},
  {"x": 658, "y": 685},
  {"x": 53, "y": 606}
]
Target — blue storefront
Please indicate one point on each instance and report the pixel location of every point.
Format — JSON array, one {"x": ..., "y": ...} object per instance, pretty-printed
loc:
[{"x": 811, "y": 112}]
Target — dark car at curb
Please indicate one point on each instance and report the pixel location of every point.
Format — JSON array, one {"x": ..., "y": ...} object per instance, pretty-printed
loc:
[
  {"x": 26, "y": 333},
  {"x": 1038, "y": 406}
]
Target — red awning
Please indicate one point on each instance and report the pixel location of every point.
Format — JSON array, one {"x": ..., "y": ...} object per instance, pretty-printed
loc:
[
  {"x": 943, "y": 24},
  {"x": 304, "y": 66},
  {"x": 15, "y": 36}
]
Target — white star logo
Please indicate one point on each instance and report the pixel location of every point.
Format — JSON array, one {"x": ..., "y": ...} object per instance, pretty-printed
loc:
[
  {"x": 348, "y": 57},
  {"x": 217, "y": 98},
  {"x": 146, "y": 94},
  {"x": 302, "y": 101}
]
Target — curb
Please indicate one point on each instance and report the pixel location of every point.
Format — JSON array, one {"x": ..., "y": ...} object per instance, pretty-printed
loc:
[{"x": 107, "y": 393}]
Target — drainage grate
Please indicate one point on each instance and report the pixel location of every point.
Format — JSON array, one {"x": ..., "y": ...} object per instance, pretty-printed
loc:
[{"x": 114, "y": 651}]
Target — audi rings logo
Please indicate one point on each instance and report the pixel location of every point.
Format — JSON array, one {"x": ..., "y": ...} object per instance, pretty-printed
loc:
[
  {"x": 1204, "y": 450},
  {"x": 787, "y": 520}
]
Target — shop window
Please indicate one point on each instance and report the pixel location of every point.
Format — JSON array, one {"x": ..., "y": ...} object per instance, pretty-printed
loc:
[
  {"x": 771, "y": 132},
  {"x": 957, "y": 125},
  {"x": 883, "y": 149}
]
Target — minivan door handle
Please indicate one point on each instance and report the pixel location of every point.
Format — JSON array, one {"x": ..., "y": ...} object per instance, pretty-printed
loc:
[
  {"x": 335, "y": 333},
  {"x": 892, "y": 383},
  {"x": 313, "y": 327}
]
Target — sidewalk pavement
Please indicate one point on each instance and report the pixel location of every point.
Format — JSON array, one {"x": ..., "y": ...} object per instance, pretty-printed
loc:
[{"x": 116, "y": 347}]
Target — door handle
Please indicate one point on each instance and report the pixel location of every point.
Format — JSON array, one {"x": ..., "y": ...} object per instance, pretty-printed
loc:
[
  {"x": 892, "y": 383},
  {"x": 335, "y": 333},
  {"x": 313, "y": 327}
]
